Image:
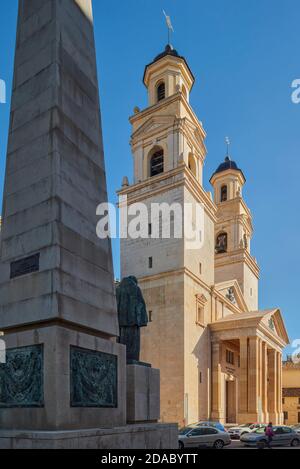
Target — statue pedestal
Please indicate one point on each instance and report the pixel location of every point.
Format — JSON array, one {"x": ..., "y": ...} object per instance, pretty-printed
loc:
[
  {"x": 143, "y": 394},
  {"x": 67, "y": 380},
  {"x": 155, "y": 436}
]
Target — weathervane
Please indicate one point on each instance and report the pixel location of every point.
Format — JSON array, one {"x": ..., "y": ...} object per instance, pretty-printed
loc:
[
  {"x": 169, "y": 25},
  {"x": 227, "y": 141}
]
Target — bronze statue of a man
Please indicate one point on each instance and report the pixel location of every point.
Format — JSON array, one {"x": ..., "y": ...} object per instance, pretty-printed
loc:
[{"x": 132, "y": 316}]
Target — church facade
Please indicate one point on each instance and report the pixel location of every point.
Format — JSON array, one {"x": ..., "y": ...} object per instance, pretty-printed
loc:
[{"x": 220, "y": 357}]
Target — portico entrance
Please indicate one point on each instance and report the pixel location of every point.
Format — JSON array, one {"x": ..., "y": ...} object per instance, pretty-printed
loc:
[{"x": 246, "y": 367}]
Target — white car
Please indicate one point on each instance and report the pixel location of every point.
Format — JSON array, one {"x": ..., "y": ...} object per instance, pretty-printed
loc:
[
  {"x": 236, "y": 432},
  {"x": 202, "y": 437}
]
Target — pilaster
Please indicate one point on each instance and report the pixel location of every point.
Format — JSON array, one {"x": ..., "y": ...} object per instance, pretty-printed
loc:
[
  {"x": 253, "y": 378},
  {"x": 273, "y": 385},
  {"x": 243, "y": 381},
  {"x": 217, "y": 407},
  {"x": 264, "y": 375}
]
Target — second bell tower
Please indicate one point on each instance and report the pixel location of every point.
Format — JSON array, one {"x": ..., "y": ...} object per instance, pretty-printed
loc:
[{"x": 233, "y": 232}]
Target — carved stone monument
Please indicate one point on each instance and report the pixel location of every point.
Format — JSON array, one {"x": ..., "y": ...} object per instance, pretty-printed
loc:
[{"x": 65, "y": 373}]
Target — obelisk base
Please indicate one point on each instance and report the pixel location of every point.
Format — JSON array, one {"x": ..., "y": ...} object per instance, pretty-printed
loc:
[
  {"x": 143, "y": 436},
  {"x": 58, "y": 377}
]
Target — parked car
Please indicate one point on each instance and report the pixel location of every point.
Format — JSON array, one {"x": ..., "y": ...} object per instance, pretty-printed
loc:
[
  {"x": 210, "y": 423},
  {"x": 296, "y": 427},
  {"x": 283, "y": 436},
  {"x": 236, "y": 432},
  {"x": 202, "y": 437}
]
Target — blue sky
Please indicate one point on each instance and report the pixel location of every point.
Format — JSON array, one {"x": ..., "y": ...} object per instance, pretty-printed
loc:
[{"x": 245, "y": 56}]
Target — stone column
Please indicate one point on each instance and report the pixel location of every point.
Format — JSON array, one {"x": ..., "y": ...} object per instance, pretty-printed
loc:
[
  {"x": 243, "y": 381},
  {"x": 253, "y": 378},
  {"x": 279, "y": 387},
  {"x": 216, "y": 407},
  {"x": 272, "y": 386},
  {"x": 260, "y": 380},
  {"x": 264, "y": 374}
]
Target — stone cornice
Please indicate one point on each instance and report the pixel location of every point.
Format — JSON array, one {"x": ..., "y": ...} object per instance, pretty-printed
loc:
[
  {"x": 149, "y": 111},
  {"x": 166, "y": 124},
  {"x": 200, "y": 193},
  {"x": 241, "y": 218},
  {"x": 185, "y": 271},
  {"x": 234, "y": 172},
  {"x": 222, "y": 206},
  {"x": 143, "y": 190},
  {"x": 167, "y": 273},
  {"x": 252, "y": 264},
  {"x": 236, "y": 257},
  {"x": 268, "y": 334},
  {"x": 252, "y": 325},
  {"x": 197, "y": 279},
  {"x": 169, "y": 125},
  {"x": 147, "y": 183},
  {"x": 249, "y": 329},
  {"x": 168, "y": 60},
  {"x": 182, "y": 271}
]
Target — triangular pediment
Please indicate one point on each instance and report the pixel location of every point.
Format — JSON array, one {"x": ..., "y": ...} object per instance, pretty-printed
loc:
[
  {"x": 153, "y": 126},
  {"x": 255, "y": 322},
  {"x": 233, "y": 293},
  {"x": 273, "y": 321}
]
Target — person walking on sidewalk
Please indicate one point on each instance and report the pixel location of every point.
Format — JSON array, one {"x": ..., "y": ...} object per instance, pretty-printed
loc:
[{"x": 269, "y": 434}]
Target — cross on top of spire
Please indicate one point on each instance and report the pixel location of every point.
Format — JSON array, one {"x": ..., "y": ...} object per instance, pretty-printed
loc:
[
  {"x": 228, "y": 143},
  {"x": 169, "y": 26}
]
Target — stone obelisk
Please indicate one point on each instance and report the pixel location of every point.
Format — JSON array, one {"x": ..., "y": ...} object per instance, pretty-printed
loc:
[
  {"x": 64, "y": 369},
  {"x": 64, "y": 381}
]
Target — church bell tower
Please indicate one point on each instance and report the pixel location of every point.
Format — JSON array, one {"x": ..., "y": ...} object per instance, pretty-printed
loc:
[
  {"x": 167, "y": 133},
  {"x": 168, "y": 153},
  {"x": 233, "y": 232}
]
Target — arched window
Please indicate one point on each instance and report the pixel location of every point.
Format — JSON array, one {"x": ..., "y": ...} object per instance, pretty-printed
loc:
[
  {"x": 161, "y": 91},
  {"x": 192, "y": 164},
  {"x": 224, "y": 193},
  {"x": 157, "y": 163},
  {"x": 221, "y": 243}
]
